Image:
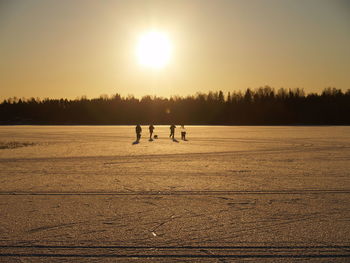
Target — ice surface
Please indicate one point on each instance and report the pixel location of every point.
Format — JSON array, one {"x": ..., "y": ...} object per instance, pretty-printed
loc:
[
  {"x": 226, "y": 186},
  {"x": 103, "y": 158}
]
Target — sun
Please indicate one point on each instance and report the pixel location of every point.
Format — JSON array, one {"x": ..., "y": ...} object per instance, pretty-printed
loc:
[{"x": 154, "y": 50}]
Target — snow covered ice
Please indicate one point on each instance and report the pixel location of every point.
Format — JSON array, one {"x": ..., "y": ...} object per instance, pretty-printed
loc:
[{"x": 235, "y": 190}]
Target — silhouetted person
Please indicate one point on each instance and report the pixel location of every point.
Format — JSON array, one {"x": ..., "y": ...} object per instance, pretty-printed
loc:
[
  {"x": 172, "y": 131},
  {"x": 151, "y": 128},
  {"x": 183, "y": 133},
  {"x": 138, "y": 130}
]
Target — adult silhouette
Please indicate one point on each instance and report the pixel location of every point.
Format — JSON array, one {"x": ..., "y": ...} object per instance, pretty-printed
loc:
[
  {"x": 151, "y": 128},
  {"x": 172, "y": 131},
  {"x": 138, "y": 131},
  {"x": 183, "y": 133}
]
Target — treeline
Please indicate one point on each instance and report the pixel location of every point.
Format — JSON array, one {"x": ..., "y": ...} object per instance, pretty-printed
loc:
[{"x": 262, "y": 106}]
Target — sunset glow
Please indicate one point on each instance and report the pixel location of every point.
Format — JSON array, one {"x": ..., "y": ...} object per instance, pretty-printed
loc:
[
  {"x": 154, "y": 50},
  {"x": 72, "y": 48},
  {"x": 174, "y": 130}
]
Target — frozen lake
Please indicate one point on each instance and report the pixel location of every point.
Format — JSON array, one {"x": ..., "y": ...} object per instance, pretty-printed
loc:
[{"x": 86, "y": 193}]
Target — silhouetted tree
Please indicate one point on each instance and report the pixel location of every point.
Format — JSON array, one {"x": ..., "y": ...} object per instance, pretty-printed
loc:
[{"x": 262, "y": 106}]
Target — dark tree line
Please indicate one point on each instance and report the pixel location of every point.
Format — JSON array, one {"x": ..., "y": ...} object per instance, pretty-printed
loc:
[{"x": 262, "y": 106}]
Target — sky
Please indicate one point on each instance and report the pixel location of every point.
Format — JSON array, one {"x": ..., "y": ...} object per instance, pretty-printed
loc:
[{"x": 69, "y": 49}]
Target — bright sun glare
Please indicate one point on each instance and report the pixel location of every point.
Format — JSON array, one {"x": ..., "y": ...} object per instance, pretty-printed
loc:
[{"x": 154, "y": 50}]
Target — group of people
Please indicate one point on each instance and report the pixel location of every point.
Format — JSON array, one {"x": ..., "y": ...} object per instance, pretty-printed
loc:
[{"x": 151, "y": 128}]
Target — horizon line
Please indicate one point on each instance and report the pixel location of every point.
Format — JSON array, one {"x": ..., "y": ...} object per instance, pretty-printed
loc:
[{"x": 132, "y": 96}]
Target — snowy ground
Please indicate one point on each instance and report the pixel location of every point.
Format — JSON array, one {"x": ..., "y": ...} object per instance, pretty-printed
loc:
[{"x": 229, "y": 194}]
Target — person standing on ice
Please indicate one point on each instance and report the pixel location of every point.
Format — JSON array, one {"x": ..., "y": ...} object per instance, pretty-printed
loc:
[
  {"x": 138, "y": 130},
  {"x": 172, "y": 131},
  {"x": 151, "y": 128},
  {"x": 183, "y": 133}
]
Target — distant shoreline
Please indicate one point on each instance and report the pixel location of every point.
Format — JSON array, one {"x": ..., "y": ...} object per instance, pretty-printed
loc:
[{"x": 259, "y": 107}]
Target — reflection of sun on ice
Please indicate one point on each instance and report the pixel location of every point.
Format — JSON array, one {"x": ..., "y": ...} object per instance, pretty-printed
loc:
[{"x": 154, "y": 50}]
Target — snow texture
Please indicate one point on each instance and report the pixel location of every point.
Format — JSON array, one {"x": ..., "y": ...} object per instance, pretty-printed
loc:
[{"x": 252, "y": 193}]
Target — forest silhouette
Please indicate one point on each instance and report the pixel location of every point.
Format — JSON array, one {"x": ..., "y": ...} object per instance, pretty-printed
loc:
[{"x": 262, "y": 106}]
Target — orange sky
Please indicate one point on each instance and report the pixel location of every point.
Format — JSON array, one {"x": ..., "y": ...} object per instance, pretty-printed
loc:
[{"x": 73, "y": 48}]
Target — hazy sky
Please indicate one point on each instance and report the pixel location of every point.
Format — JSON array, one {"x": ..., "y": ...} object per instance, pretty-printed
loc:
[{"x": 65, "y": 48}]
